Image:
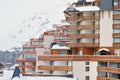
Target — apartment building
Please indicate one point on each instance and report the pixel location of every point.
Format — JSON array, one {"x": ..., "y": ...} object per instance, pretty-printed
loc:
[
  {"x": 92, "y": 41},
  {"x": 51, "y": 42},
  {"x": 94, "y": 30}
]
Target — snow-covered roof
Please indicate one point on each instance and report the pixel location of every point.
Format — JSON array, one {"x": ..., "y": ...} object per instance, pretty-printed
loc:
[
  {"x": 88, "y": 8},
  {"x": 59, "y": 47}
]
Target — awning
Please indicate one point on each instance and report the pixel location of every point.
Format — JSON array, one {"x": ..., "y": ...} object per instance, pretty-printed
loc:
[{"x": 103, "y": 49}]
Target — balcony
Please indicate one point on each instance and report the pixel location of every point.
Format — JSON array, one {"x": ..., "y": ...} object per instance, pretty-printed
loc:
[
  {"x": 63, "y": 68},
  {"x": 116, "y": 16},
  {"x": 110, "y": 70},
  {"x": 61, "y": 40},
  {"x": 88, "y": 44},
  {"x": 33, "y": 46},
  {"x": 54, "y": 33},
  {"x": 116, "y": 34},
  {"x": 116, "y": 7},
  {"x": 79, "y": 27},
  {"x": 36, "y": 40},
  {"x": 105, "y": 78},
  {"x": 116, "y": 25},
  {"x": 27, "y": 66},
  {"x": 26, "y": 60},
  {"x": 116, "y": 44},
  {"x": 107, "y": 58},
  {"x": 89, "y": 18},
  {"x": 29, "y": 52},
  {"x": 83, "y": 36}
]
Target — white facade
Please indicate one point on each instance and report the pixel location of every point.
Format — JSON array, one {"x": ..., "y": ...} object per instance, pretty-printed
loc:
[
  {"x": 81, "y": 70},
  {"x": 106, "y": 29}
]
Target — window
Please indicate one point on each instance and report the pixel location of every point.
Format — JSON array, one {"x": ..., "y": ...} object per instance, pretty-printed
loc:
[
  {"x": 87, "y": 78},
  {"x": 87, "y": 63},
  {"x": 87, "y": 69}
]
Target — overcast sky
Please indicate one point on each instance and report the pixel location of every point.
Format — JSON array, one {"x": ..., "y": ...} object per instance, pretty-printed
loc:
[{"x": 14, "y": 12}]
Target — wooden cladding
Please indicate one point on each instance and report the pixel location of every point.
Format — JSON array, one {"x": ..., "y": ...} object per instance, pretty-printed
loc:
[
  {"x": 29, "y": 52},
  {"x": 78, "y": 27},
  {"x": 99, "y": 58},
  {"x": 116, "y": 34},
  {"x": 105, "y": 78},
  {"x": 33, "y": 46},
  {"x": 83, "y": 35},
  {"x": 35, "y": 40},
  {"x": 27, "y": 66},
  {"x": 116, "y": 6},
  {"x": 108, "y": 69},
  {"x": 83, "y": 18},
  {"x": 67, "y": 68},
  {"x": 116, "y": 16},
  {"x": 61, "y": 40},
  {"x": 89, "y": 18},
  {"x": 87, "y": 44},
  {"x": 116, "y": 44},
  {"x": 116, "y": 25},
  {"x": 25, "y": 60}
]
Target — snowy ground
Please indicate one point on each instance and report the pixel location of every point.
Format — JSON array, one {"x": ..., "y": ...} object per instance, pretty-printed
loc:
[{"x": 8, "y": 74}]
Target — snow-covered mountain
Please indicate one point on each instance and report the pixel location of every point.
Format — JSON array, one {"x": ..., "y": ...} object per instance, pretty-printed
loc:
[{"x": 13, "y": 35}]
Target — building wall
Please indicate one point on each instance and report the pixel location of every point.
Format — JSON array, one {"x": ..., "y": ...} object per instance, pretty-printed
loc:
[
  {"x": 79, "y": 70},
  {"x": 106, "y": 29}
]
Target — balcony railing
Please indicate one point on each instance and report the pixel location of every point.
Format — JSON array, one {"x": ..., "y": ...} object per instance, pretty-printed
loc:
[
  {"x": 87, "y": 44},
  {"x": 116, "y": 44},
  {"x": 61, "y": 40},
  {"x": 83, "y": 35},
  {"x": 110, "y": 70},
  {"x": 99, "y": 58},
  {"x": 27, "y": 66},
  {"x": 89, "y": 18},
  {"x": 116, "y": 6},
  {"x": 105, "y": 78},
  {"x": 25, "y": 60},
  {"x": 116, "y": 34},
  {"x": 116, "y": 25},
  {"x": 33, "y": 46},
  {"x": 75, "y": 27},
  {"x": 116, "y": 16},
  {"x": 34, "y": 40},
  {"x": 63, "y": 68},
  {"x": 54, "y": 33},
  {"x": 29, "y": 52}
]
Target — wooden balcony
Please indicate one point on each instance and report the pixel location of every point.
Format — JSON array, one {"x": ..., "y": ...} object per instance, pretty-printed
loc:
[
  {"x": 110, "y": 70},
  {"x": 116, "y": 16},
  {"x": 36, "y": 40},
  {"x": 89, "y": 27},
  {"x": 63, "y": 68},
  {"x": 116, "y": 34},
  {"x": 83, "y": 36},
  {"x": 116, "y": 25},
  {"x": 25, "y": 60},
  {"x": 54, "y": 33},
  {"x": 33, "y": 46},
  {"x": 88, "y": 36},
  {"x": 61, "y": 40},
  {"x": 29, "y": 52},
  {"x": 90, "y": 44},
  {"x": 107, "y": 58},
  {"x": 116, "y": 7},
  {"x": 27, "y": 66},
  {"x": 105, "y": 78},
  {"x": 71, "y": 19},
  {"x": 89, "y": 18},
  {"x": 116, "y": 45},
  {"x": 79, "y": 27}
]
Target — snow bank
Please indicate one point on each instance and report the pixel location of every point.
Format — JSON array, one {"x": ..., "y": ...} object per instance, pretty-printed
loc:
[{"x": 8, "y": 75}]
